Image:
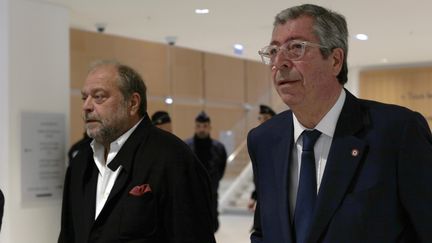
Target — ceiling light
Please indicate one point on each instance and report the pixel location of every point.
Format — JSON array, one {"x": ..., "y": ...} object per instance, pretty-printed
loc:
[
  {"x": 202, "y": 11},
  {"x": 169, "y": 100},
  {"x": 238, "y": 49},
  {"x": 361, "y": 37}
]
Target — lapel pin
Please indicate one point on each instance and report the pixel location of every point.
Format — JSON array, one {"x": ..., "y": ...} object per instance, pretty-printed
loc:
[{"x": 354, "y": 152}]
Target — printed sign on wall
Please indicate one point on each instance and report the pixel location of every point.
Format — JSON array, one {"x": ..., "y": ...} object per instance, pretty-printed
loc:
[{"x": 42, "y": 156}]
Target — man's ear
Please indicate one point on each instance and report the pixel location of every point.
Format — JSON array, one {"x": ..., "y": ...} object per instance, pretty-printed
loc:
[
  {"x": 134, "y": 103},
  {"x": 337, "y": 56}
]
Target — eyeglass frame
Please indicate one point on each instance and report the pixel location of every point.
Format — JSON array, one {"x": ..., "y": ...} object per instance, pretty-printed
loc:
[{"x": 282, "y": 47}]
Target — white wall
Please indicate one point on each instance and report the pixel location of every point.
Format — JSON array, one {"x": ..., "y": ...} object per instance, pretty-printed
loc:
[
  {"x": 4, "y": 13},
  {"x": 34, "y": 77},
  {"x": 4, "y": 98},
  {"x": 353, "y": 80}
]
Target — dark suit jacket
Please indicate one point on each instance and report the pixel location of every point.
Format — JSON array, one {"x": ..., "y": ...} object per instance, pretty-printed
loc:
[
  {"x": 2, "y": 201},
  {"x": 176, "y": 210},
  {"x": 381, "y": 193}
]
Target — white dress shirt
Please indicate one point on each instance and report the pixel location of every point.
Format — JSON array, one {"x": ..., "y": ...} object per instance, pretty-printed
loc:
[
  {"x": 107, "y": 177},
  {"x": 327, "y": 127}
]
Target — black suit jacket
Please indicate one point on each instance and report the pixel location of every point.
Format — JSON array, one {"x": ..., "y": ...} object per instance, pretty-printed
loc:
[
  {"x": 2, "y": 201},
  {"x": 376, "y": 185},
  {"x": 175, "y": 210}
]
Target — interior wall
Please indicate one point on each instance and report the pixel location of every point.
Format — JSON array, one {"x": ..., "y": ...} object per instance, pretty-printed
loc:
[
  {"x": 37, "y": 67},
  {"x": 4, "y": 102},
  {"x": 410, "y": 87},
  {"x": 258, "y": 84},
  {"x": 196, "y": 80}
]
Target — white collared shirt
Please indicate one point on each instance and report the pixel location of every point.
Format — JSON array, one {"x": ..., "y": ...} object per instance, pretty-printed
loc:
[
  {"x": 107, "y": 177},
  {"x": 327, "y": 127}
]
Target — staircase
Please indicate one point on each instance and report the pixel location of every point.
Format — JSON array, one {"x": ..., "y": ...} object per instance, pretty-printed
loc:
[{"x": 236, "y": 186}]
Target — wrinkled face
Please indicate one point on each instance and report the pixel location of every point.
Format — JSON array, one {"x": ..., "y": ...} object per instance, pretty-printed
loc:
[
  {"x": 202, "y": 129},
  {"x": 105, "y": 112},
  {"x": 165, "y": 126},
  {"x": 304, "y": 82},
  {"x": 263, "y": 117}
]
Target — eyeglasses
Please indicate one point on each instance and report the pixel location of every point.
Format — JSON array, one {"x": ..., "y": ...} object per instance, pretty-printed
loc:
[{"x": 292, "y": 50}]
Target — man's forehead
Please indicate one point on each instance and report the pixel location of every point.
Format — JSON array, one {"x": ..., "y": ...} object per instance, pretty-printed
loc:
[
  {"x": 300, "y": 28},
  {"x": 96, "y": 85}
]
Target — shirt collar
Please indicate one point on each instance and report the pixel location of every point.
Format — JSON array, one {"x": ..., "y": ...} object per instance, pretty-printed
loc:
[{"x": 327, "y": 125}]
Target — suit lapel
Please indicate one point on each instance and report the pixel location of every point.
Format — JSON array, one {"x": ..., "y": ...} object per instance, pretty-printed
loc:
[
  {"x": 125, "y": 158},
  {"x": 344, "y": 157},
  {"x": 87, "y": 182},
  {"x": 281, "y": 156}
]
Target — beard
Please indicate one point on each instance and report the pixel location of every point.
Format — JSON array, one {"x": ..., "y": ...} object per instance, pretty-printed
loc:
[
  {"x": 109, "y": 128},
  {"x": 202, "y": 135}
]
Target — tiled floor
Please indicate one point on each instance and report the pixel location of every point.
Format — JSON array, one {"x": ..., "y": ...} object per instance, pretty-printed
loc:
[{"x": 234, "y": 228}]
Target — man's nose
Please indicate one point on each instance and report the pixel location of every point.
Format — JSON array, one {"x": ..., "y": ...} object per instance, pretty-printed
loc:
[
  {"x": 87, "y": 105},
  {"x": 281, "y": 62}
]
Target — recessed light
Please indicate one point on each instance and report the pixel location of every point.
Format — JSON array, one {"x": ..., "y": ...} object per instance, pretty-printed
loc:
[
  {"x": 238, "y": 49},
  {"x": 361, "y": 37},
  {"x": 202, "y": 11},
  {"x": 169, "y": 100}
]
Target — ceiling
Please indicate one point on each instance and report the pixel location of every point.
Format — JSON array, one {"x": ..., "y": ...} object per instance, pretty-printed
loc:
[{"x": 399, "y": 31}]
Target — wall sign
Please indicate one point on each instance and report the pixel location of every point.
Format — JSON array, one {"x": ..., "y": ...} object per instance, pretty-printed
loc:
[{"x": 42, "y": 156}]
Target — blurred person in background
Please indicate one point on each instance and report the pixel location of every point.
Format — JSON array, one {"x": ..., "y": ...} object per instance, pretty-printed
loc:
[
  {"x": 212, "y": 154},
  {"x": 162, "y": 120}
]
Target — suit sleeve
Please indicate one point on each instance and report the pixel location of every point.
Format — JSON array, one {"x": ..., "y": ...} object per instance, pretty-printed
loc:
[
  {"x": 187, "y": 214},
  {"x": 66, "y": 230},
  {"x": 415, "y": 176},
  {"x": 2, "y": 201},
  {"x": 256, "y": 236},
  {"x": 223, "y": 162}
]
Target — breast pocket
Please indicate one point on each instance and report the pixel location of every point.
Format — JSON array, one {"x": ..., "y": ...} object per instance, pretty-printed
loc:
[{"x": 139, "y": 215}]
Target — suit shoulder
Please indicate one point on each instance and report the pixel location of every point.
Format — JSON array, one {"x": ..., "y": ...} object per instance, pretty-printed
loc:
[
  {"x": 189, "y": 141},
  {"x": 389, "y": 111},
  {"x": 166, "y": 139},
  {"x": 279, "y": 121},
  {"x": 218, "y": 143}
]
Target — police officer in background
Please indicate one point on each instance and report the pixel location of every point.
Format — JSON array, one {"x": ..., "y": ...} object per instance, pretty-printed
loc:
[
  {"x": 162, "y": 120},
  {"x": 212, "y": 154}
]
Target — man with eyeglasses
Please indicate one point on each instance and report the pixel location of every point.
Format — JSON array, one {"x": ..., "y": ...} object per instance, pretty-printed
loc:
[{"x": 334, "y": 168}]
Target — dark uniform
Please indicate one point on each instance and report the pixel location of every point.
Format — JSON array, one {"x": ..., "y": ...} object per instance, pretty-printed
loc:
[{"x": 213, "y": 155}]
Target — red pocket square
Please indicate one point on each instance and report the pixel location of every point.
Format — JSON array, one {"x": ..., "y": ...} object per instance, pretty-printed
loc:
[{"x": 140, "y": 190}]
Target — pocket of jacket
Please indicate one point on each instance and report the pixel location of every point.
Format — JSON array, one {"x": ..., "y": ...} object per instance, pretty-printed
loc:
[{"x": 139, "y": 215}]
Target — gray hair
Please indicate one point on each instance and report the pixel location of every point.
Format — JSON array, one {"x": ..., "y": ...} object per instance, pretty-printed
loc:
[
  {"x": 330, "y": 28},
  {"x": 129, "y": 82}
]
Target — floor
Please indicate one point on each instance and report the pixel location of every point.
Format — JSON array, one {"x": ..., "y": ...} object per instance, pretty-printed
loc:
[{"x": 234, "y": 228}]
